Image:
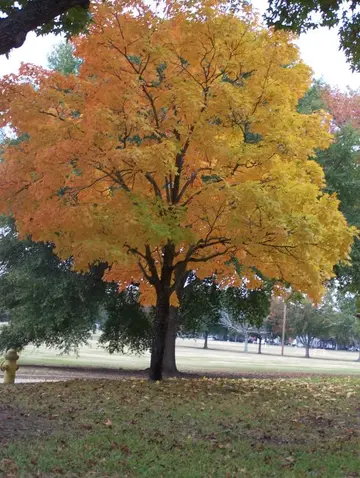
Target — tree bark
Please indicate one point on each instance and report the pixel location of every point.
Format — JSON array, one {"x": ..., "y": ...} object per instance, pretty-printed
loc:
[
  {"x": 307, "y": 352},
  {"x": 159, "y": 339},
  {"x": 169, "y": 360},
  {"x": 163, "y": 292},
  {"x": 15, "y": 27},
  {"x": 206, "y": 335}
]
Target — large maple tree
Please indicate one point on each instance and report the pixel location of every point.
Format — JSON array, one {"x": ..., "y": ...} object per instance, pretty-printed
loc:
[{"x": 177, "y": 146}]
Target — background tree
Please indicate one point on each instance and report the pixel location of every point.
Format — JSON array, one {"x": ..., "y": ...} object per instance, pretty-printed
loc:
[
  {"x": 343, "y": 105},
  {"x": 275, "y": 318},
  {"x": 4, "y": 315},
  {"x": 200, "y": 307},
  {"x": 356, "y": 333},
  {"x": 47, "y": 303},
  {"x": 307, "y": 323},
  {"x": 168, "y": 160},
  {"x": 20, "y": 17},
  {"x": 302, "y": 15},
  {"x": 244, "y": 311},
  {"x": 341, "y": 164},
  {"x": 63, "y": 60},
  {"x": 345, "y": 323},
  {"x": 127, "y": 326}
]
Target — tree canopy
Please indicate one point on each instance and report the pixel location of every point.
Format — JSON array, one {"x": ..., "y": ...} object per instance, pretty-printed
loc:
[{"x": 177, "y": 146}]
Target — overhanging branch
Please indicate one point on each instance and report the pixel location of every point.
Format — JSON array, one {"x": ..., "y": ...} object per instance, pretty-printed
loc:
[{"x": 15, "y": 27}]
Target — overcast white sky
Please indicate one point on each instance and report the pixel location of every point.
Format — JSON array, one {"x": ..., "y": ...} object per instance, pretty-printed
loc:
[{"x": 319, "y": 49}]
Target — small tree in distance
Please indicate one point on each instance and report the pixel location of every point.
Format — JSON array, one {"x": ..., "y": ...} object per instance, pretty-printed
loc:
[
  {"x": 63, "y": 60},
  {"x": 244, "y": 311},
  {"x": 308, "y": 323},
  {"x": 200, "y": 306},
  {"x": 345, "y": 321}
]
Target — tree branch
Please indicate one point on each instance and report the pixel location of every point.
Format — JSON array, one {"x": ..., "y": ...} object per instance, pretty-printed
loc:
[
  {"x": 154, "y": 185},
  {"x": 190, "y": 181},
  {"x": 151, "y": 263},
  {"x": 149, "y": 278},
  {"x": 15, "y": 27},
  {"x": 211, "y": 256}
]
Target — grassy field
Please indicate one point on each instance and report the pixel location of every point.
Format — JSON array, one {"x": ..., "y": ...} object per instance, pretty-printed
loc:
[
  {"x": 181, "y": 428},
  {"x": 221, "y": 357}
]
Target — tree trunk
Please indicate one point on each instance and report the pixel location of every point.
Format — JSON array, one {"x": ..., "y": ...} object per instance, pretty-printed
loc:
[
  {"x": 358, "y": 360},
  {"x": 259, "y": 349},
  {"x": 163, "y": 292},
  {"x": 160, "y": 331},
  {"x": 246, "y": 343},
  {"x": 169, "y": 360},
  {"x": 206, "y": 335},
  {"x": 307, "y": 352}
]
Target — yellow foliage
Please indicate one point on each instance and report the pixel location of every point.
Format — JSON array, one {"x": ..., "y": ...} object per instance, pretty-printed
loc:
[{"x": 178, "y": 144}]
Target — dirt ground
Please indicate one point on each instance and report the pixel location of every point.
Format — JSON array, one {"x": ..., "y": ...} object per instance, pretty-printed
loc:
[
  {"x": 16, "y": 423},
  {"x": 34, "y": 374}
]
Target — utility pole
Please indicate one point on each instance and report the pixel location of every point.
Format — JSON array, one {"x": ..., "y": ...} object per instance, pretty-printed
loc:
[{"x": 283, "y": 330}]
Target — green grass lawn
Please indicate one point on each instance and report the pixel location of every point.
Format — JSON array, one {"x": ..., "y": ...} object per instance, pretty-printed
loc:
[
  {"x": 221, "y": 357},
  {"x": 181, "y": 428}
]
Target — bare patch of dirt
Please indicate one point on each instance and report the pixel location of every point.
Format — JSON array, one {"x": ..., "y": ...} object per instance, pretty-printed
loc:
[{"x": 16, "y": 423}]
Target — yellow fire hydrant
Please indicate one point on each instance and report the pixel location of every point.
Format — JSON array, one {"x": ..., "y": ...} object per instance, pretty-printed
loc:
[{"x": 9, "y": 366}]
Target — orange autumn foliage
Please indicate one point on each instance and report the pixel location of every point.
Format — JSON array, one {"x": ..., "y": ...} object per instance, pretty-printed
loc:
[
  {"x": 177, "y": 146},
  {"x": 344, "y": 106}
]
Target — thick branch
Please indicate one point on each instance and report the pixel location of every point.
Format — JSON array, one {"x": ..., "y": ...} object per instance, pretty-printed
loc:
[
  {"x": 15, "y": 27},
  {"x": 116, "y": 176},
  {"x": 151, "y": 263},
  {"x": 151, "y": 277},
  {"x": 135, "y": 250},
  {"x": 154, "y": 185},
  {"x": 179, "y": 166},
  {"x": 191, "y": 181}
]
